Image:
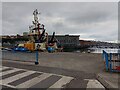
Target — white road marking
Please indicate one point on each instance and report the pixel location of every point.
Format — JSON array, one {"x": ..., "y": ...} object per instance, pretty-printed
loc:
[
  {"x": 64, "y": 80},
  {"x": 33, "y": 81},
  {"x": 16, "y": 77},
  {"x": 8, "y": 72},
  {"x": 29, "y": 83},
  {"x": 8, "y": 85},
  {"x": 92, "y": 83},
  {"x": 2, "y": 68}
]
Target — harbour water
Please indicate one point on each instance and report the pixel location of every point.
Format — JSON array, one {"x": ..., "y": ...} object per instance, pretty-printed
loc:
[{"x": 108, "y": 50}]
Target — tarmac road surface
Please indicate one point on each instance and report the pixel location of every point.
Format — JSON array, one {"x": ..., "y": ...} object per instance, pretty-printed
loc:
[
  {"x": 56, "y": 70},
  {"x": 35, "y": 77}
]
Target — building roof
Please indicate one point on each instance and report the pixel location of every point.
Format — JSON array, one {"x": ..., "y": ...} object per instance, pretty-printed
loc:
[{"x": 66, "y": 35}]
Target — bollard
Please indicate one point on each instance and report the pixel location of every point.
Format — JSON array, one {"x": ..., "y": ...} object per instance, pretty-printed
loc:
[
  {"x": 37, "y": 49},
  {"x": 36, "y": 62}
]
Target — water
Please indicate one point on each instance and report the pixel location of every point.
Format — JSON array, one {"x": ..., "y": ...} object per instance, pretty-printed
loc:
[{"x": 108, "y": 50}]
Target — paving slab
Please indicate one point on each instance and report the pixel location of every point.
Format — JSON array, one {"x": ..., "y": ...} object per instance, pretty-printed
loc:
[{"x": 109, "y": 80}]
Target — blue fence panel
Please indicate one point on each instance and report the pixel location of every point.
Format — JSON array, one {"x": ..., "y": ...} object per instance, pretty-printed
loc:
[
  {"x": 112, "y": 61},
  {"x": 110, "y": 64}
]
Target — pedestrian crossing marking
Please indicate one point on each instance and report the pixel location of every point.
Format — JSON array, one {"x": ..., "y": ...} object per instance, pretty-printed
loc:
[
  {"x": 64, "y": 80},
  {"x": 8, "y": 86},
  {"x": 47, "y": 82},
  {"x": 60, "y": 82},
  {"x": 24, "y": 79},
  {"x": 18, "y": 76},
  {"x": 92, "y": 83},
  {"x": 34, "y": 81},
  {"x": 31, "y": 82},
  {"x": 9, "y": 71},
  {"x": 12, "y": 74},
  {"x": 2, "y": 68}
]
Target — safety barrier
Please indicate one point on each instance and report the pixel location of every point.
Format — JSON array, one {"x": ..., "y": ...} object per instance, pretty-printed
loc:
[{"x": 112, "y": 61}]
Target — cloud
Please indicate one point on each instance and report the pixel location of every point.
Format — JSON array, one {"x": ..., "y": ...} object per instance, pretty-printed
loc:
[{"x": 91, "y": 20}]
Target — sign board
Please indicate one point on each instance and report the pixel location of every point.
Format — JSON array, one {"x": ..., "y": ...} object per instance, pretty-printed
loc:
[{"x": 40, "y": 46}]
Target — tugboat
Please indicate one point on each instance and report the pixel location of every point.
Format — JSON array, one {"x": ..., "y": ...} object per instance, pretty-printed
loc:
[{"x": 38, "y": 38}]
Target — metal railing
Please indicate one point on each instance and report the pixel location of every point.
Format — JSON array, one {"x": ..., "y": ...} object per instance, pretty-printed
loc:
[{"x": 112, "y": 61}]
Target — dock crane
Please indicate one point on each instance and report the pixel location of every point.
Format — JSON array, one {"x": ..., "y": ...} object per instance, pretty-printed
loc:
[{"x": 54, "y": 44}]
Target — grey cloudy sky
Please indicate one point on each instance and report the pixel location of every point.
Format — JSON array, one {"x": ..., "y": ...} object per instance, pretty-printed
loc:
[{"x": 90, "y": 20}]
